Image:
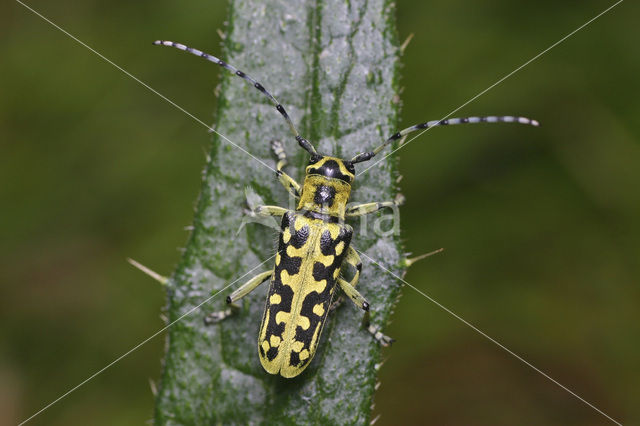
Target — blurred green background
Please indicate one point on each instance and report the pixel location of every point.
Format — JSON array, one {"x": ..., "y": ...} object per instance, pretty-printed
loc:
[{"x": 540, "y": 225}]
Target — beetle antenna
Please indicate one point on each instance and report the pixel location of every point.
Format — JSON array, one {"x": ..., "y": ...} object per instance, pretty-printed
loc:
[
  {"x": 302, "y": 141},
  {"x": 365, "y": 156}
]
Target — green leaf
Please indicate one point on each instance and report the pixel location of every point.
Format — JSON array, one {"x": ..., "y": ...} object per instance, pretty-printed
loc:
[{"x": 333, "y": 64}]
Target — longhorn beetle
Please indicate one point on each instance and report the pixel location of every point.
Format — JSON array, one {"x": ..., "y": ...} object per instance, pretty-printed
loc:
[{"x": 314, "y": 243}]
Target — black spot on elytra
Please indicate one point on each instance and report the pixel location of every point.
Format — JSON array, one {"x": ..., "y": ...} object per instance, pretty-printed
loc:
[
  {"x": 294, "y": 359},
  {"x": 299, "y": 238},
  {"x": 327, "y": 245},
  {"x": 272, "y": 353},
  {"x": 286, "y": 220},
  {"x": 321, "y": 272},
  {"x": 274, "y": 328},
  {"x": 286, "y": 297},
  {"x": 290, "y": 264}
]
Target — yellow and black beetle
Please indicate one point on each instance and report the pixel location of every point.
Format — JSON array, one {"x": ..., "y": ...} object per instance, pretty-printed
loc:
[{"x": 314, "y": 243}]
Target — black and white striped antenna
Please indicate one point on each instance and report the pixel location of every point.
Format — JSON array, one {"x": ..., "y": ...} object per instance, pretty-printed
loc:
[{"x": 302, "y": 141}]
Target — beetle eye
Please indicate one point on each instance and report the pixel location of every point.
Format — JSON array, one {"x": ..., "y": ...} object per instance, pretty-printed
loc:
[
  {"x": 314, "y": 159},
  {"x": 349, "y": 166}
]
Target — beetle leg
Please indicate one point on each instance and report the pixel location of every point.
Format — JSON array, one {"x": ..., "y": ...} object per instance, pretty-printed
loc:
[
  {"x": 361, "y": 303},
  {"x": 215, "y": 317},
  {"x": 242, "y": 291},
  {"x": 353, "y": 258},
  {"x": 287, "y": 181},
  {"x": 353, "y": 294},
  {"x": 336, "y": 303},
  {"x": 266, "y": 211},
  {"x": 367, "y": 208},
  {"x": 381, "y": 338}
]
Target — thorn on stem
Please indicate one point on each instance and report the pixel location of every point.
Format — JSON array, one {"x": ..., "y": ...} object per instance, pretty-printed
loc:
[
  {"x": 161, "y": 279},
  {"x": 405, "y": 44},
  {"x": 154, "y": 389},
  {"x": 410, "y": 261}
]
